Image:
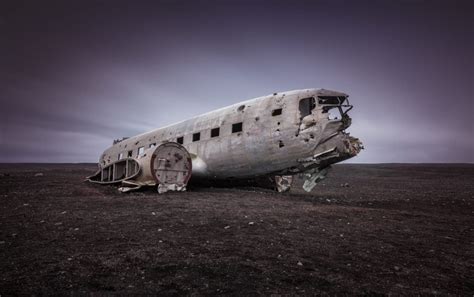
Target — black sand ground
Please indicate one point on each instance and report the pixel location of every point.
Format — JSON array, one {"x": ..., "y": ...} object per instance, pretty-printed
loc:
[{"x": 389, "y": 229}]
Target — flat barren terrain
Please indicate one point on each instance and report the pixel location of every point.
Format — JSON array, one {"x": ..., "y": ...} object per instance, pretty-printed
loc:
[{"x": 366, "y": 229}]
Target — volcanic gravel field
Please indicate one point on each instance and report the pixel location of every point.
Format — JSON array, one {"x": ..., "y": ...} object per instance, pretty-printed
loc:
[{"x": 398, "y": 229}]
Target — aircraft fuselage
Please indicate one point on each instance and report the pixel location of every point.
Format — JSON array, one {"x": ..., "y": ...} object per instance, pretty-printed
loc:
[{"x": 279, "y": 134}]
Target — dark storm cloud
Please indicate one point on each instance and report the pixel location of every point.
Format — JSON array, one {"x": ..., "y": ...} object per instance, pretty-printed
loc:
[{"x": 76, "y": 75}]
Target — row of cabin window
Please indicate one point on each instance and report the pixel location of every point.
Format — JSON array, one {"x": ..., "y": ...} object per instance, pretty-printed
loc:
[
  {"x": 214, "y": 133},
  {"x": 197, "y": 136}
]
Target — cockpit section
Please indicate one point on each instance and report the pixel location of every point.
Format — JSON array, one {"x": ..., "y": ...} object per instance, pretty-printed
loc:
[
  {"x": 324, "y": 109},
  {"x": 324, "y": 118}
]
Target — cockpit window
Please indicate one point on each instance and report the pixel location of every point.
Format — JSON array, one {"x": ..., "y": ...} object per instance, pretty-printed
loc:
[
  {"x": 306, "y": 105},
  {"x": 331, "y": 100},
  {"x": 336, "y": 106}
]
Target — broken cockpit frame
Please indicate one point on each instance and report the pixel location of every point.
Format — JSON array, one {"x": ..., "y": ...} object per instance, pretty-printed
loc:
[
  {"x": 325, "y": 118},
  {"x": 332, "y": 108}
]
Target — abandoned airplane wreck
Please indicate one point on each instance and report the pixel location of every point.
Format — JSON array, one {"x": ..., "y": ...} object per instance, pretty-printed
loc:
[{"x": 275, "y": 136}]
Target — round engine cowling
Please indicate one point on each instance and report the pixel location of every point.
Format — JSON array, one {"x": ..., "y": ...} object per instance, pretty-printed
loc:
[{"x": 168, "y": 165}]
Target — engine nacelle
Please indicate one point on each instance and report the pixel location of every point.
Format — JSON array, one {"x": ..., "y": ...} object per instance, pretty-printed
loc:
[{"x": 168, "y": 165}]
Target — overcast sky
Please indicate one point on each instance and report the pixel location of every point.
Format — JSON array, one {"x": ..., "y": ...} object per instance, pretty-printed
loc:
[{"x": 74, "y": 75}]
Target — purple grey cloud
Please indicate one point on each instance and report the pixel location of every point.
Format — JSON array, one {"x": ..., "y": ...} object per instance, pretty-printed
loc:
[{"x": 76, "y": 75}]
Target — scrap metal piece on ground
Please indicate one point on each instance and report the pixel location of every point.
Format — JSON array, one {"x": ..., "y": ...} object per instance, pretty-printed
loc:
[
  {"x": 313, "y": 177},
  {"x": 283, "y": 182}
]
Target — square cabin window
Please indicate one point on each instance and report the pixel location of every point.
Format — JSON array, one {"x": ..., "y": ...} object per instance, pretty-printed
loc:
[
  {"x": 180, "y": 140},
  {"x": 129, "y": 154},
  {"x": 152, "y": 145},
  {"x": 215, "y": 132},
  {"x": 236, "y": 127},
  {"x": 141, "y": 150},
  {"x": 196, "y": 136},
  {"x": 120, "y": 156},
  {"x": 276, "y": 112}
]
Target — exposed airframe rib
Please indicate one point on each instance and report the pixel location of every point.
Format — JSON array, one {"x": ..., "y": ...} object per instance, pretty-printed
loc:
[{"x": 116, "y": 172}]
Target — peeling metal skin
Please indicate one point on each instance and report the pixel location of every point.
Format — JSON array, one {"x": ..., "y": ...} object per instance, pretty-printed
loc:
[{"x": 279, "y": 135}]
